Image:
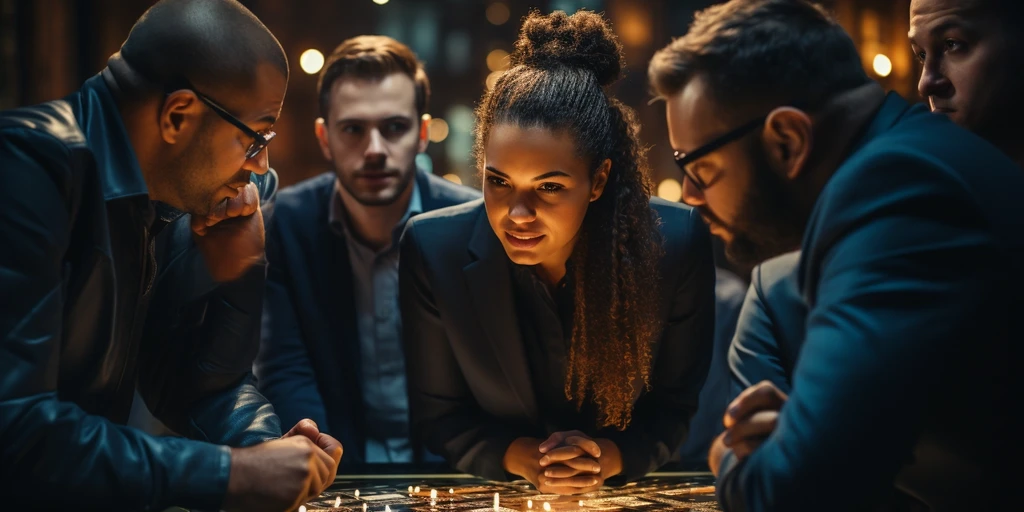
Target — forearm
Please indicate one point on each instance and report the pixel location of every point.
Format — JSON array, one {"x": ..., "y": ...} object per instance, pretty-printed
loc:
[
  {"x": 237, "y": 417},
  {"x": 53, "y": 450}
]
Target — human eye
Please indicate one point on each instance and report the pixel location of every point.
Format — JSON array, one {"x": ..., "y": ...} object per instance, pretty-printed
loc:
[
  {"x": 495, "y": 181},
  {"x": 918, "y": 53},
  {"x": 396, "y": 127},
  {"x": 953, "y": 45},
  {"x": 551, "y": 187},
  {"x": 352, "y": 129}
]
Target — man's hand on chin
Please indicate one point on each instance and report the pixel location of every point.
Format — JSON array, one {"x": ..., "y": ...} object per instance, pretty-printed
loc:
[{"x": 231, "y": 238}]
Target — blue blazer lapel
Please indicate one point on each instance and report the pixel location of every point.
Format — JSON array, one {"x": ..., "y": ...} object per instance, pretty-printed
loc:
[{"x": 490, "y": 284}]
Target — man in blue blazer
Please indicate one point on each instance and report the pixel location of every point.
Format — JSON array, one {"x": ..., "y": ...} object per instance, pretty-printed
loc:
[
  {"x": 332, "y": 346},
  {"x": 909, "y": 229}
]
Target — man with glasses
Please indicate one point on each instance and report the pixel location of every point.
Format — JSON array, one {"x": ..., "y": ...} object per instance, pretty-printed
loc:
[
  {"x": 108, "y": 288},
  {"x": 910, "y": 265}
]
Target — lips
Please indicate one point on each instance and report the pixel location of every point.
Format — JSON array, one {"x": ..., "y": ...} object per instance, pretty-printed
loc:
[{"x": 523, "y": 240}]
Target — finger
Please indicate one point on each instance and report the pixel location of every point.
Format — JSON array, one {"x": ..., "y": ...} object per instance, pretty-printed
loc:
[
  {"x": 761, "y": 396},
  {"x": 573, "y": 467},
  {"x": 552, "y": 441},
  {"x": 320, "y": 471},
  {"x": 757, "y": 425},
  {"x": 217, "y": 213},
  {"x": 560, "y": 454},
  {"x": 587, "y": 444},
  {"x": 744, "y": 448},
  {"x": 251, "y": 199},
  {"x": 332, "y": 446},
  {"x": 306, "y": 428},
  {"x": 198, "y": 224},
  {"x": 560, "y": 471},
  {"x": 578, "y": 482}
]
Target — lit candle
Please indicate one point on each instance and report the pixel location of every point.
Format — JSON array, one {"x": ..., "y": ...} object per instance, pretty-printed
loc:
[
  {"x": 529, "y": 503},
  {"x": 364, "y": 507},
  {"x": 410, "y": 488},
  {"x": 416, "y": 489},
  {"x": 581, "y": 503},
  {"x": 433, "y": 494},
  {"x": 302, "y": 508},
  {"x": 547, "y": 506},
  {"x": 337, "y": 502},
  {"x": 495, "y": 501},
  {"x": 451, "y": 491},
  {"x": 357, "y": 493}
]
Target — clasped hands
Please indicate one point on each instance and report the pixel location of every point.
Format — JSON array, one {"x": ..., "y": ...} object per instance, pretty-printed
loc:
[
  {"x": 749, "y": 420},
  {"x": 565, "y": 463}
]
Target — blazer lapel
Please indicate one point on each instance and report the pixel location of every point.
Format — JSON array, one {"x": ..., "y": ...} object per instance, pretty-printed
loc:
[{"x": 490, "y": 285}]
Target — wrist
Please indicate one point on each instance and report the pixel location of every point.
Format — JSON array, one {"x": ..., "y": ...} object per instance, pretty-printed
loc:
[{"x": 610, "y": 459}]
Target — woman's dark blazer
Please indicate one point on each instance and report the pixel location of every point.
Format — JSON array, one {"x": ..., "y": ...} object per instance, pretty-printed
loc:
[{"x": 470, "y": 392}]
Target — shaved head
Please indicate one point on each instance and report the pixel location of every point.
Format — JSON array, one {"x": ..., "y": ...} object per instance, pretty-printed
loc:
[{"x": 215, "y": 44}]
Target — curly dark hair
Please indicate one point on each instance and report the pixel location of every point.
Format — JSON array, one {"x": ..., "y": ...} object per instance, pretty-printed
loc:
[{"x": 560, "y": 67}]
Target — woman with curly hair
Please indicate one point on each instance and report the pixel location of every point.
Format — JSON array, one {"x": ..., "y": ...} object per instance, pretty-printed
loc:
[{"x": 560, "y": 329}]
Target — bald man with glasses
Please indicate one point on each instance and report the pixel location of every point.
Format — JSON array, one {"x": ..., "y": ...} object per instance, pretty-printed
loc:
[{"x": 133, "y": 261}]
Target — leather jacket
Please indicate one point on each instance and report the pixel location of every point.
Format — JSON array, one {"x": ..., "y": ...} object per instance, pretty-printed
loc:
[{"x": 103, "y": 292}]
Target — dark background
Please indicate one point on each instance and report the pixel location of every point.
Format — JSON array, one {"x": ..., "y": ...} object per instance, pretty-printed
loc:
[{"x": 48, "y": 47}]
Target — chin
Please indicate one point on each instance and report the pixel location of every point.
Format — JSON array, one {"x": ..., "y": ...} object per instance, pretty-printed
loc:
[{"x": 523, "y": 257}]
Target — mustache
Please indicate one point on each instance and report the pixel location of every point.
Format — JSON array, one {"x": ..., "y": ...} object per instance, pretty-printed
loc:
[{"x": 710, "y": 217}]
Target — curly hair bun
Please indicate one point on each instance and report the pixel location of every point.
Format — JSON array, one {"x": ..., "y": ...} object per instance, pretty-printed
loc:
[{"x": 583, "y": 40}]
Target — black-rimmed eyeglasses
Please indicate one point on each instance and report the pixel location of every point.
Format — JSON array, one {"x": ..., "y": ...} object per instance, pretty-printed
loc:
[
  {"x": 685, "y": 159},
  {"x": 259, "y": 139}
]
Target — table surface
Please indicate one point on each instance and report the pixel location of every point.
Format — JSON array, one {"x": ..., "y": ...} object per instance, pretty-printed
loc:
[{"x": 678, "y": 490}]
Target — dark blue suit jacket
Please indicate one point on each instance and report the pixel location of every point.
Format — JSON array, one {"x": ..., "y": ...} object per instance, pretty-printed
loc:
[
  {"x": 770, "y": 329},
  {"x": 309, "y": 361},
  {"x": 706, "y": 423},
  {"x": 911, "y": 271}
]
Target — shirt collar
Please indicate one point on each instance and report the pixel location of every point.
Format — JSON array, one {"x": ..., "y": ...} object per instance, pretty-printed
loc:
[{"x": 336, "y": 212}]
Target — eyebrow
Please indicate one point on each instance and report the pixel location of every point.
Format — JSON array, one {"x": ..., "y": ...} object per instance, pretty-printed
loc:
[
  {"x": 551, "y": 174},
  {"x": 396, "y": 117},
  {"x": 956, "y": 22}
]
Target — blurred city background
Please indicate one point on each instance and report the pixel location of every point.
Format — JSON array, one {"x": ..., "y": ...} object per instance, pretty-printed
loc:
[{"x": 49, "y": 47}]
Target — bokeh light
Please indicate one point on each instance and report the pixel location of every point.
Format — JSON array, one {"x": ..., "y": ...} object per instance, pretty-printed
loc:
[
  {"x": 497, "y": 13},
  {"x": 311, "y": 61},
  {"x": 670, "y": 190},
  {"x": 438, "y": 130},
  {"x": 497, "y": 60},
  {"x": 454, "y": 178},
  {"x": 882, "y": 65}
]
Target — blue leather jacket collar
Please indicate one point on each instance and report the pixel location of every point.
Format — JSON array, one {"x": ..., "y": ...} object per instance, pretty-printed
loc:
[{"x": 105, "y": 133}]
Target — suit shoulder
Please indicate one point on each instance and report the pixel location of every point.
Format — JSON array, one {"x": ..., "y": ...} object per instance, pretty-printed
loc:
[
  {"x": 54, "y": 120},
  {"x": 305, "y": 198},
  {"x": 446, "y": 193},
  {"x": 681, "y": 227},
  {"x": 776, "y": 274},
  {"x": 459, "y": 219}
]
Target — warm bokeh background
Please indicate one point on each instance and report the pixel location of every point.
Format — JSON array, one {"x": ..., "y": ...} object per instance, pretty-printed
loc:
[{"x": 48, "y": 47}]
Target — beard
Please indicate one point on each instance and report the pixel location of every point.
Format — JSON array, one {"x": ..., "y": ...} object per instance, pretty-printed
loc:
[
  {"x": 191, "y": 170},
  {"x": 768, "y": 223},
  {"x": 382, "y": 197}
]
